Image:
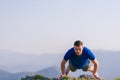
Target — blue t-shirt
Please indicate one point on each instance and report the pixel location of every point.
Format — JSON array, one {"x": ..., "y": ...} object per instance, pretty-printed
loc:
[{"x": 81, "y": 61}]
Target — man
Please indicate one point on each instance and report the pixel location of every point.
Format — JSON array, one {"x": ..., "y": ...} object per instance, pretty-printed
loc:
[{"x": 79, "y": 58}]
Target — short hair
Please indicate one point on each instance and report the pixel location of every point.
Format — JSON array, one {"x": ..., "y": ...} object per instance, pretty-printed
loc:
[{"x": 78, "y": 43}]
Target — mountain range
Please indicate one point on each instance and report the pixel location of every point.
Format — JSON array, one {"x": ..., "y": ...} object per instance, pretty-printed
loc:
[
  {"x": 50, "y": 72},
  {"x": 15, "y": 65}
]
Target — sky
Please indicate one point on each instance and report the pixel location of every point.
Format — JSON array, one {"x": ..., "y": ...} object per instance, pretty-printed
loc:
[{"x": 52, "y": 26}]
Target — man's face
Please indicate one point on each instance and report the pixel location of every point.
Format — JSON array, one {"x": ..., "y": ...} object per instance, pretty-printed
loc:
[{"x": 78, "y": 50}]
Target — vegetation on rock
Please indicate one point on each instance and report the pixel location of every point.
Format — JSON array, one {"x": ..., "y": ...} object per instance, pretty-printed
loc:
[{"x": 40, "y": 77}]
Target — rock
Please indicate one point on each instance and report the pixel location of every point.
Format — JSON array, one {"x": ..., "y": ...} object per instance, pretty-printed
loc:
[{"x": 89, "y": 77}]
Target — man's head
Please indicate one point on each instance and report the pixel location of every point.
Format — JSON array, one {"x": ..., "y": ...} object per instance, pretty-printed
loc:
[{"x": 78, "y": 47}]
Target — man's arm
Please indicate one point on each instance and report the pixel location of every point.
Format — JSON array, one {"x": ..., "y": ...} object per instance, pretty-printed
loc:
[
  {"x": 96, "y": 66},
  {"x": 63, "y": 67}
]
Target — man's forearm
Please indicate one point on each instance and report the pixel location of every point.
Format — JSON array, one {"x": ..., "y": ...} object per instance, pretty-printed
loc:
[
  {"x": 96, "y": 65},
  {"x": 95, "y": 68},
  {"x": 63, "y": 67}
]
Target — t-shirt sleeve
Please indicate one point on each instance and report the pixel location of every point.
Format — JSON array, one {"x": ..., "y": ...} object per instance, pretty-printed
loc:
[
  {"x": 68, "y": 55},
  {"x": 90, "y": 54}
]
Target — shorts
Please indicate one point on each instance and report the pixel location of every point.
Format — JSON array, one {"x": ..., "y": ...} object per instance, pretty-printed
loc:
[{"x": 73, "y": 69}]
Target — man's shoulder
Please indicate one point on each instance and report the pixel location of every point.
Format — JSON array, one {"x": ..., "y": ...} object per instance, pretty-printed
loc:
[
  {"x": 85, "y": 48},
  {"x": 71, "y": 49}
]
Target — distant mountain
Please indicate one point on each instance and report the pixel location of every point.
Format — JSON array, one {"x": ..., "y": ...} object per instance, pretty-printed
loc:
[
  {"x": 20, "y": 62},
  {"x": 109, "y": 64},
  {"x": 4, "y": 75},
  {"x": 50, "y": 72}
]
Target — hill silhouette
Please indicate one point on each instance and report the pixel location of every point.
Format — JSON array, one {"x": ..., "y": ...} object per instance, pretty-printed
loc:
[
  {"x": 50, "y": 72},
  {"x": 4, "y": 75},
  {"x": 40, "y": 77}
]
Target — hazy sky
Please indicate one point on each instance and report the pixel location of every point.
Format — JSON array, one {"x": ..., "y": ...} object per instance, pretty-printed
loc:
[{"x": 51, "y": 26}]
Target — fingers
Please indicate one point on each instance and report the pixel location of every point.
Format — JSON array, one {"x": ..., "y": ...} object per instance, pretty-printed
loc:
[
  {"x": 95, "y": 75},
  {"x": 60, "y": 77}
]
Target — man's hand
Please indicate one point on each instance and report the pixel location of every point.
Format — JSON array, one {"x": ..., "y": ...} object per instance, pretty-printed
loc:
[
  {"x": 95, "y": 75},
  {"x": 61, "y": 76}
]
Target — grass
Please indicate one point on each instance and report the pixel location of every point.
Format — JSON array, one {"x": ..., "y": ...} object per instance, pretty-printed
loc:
[{"x": 117, "y": 79}]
